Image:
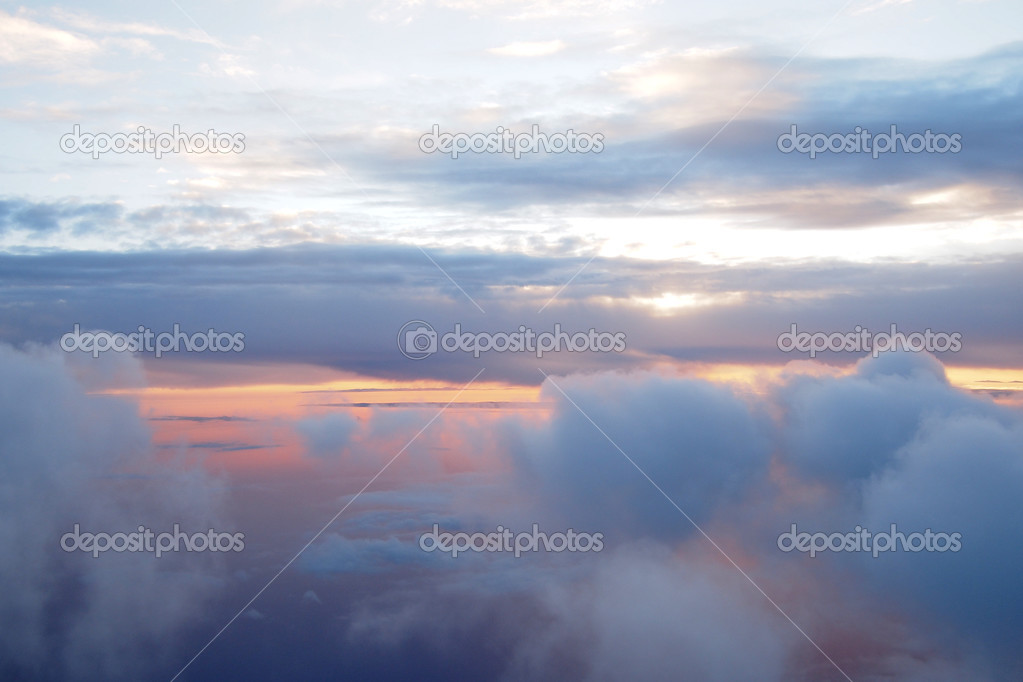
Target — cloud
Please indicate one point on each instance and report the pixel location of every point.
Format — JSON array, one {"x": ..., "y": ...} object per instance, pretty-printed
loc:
[
  {"x": 93, "y": 24},
  {"x": 299, "y": 305},
  {"x": 825, "y": 418},
  {"x": 652, "y": 615},
  {"x": 41, "y": 217},
  {"x": 335, "y": 554},
  {"x": 328, "y": 435},
  {"x": 910, "y": 450},
  {"x": 68, "y": 457},
  {"x": 959, "y": 474},
  {"x": 699, "y": 442},
  {"x": 547, "y": 9},
  {"x": 529, "y": 49},
  {"x": 661, "y": 598},
  {"x": 27, "y": 42}
]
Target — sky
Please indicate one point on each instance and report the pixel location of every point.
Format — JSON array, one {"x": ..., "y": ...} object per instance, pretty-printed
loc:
[{"x": 343, "y": 283}]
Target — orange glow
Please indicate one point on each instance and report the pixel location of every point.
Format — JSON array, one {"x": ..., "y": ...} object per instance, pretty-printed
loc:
[{"x": 251, "y": 427}]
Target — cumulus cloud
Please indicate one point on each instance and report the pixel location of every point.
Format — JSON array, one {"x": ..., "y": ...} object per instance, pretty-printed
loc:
[
  {"x": 849, "y": 428},
  {"x": 962, "y": 474},
  {"x": 889, "y": 442},
  {"x": 651, "y": 615},
  {"x": 71, "y": 457},
  {"x": 699, "y": 442},
  {"x": 894, "y": 443}
]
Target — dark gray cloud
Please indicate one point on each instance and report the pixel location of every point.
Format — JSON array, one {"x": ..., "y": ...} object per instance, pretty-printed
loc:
[{"x": 343, "y": 306}]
